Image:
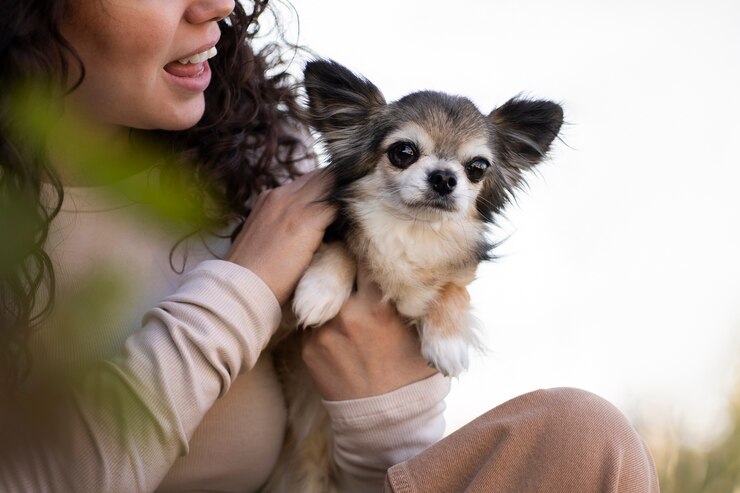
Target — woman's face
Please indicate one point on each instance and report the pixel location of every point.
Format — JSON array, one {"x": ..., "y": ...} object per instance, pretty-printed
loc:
[{"x": 132, "y": 49}]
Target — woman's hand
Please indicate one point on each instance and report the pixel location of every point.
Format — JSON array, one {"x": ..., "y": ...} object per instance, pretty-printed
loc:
[
  {"x": 284, "y": 230},
  {"x": 366, "y": 350}
]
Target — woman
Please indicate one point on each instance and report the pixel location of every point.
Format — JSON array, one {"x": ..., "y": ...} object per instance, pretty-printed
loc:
[{"x": 185, "y": 399}]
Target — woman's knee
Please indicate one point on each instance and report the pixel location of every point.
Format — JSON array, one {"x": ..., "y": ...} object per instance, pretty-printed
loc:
[
  {"x": 576, "y": 407},
  {"x": 578, "y": 415},
  {"x": 545, "y": 441},
  {"x": 587, "y": 430}
]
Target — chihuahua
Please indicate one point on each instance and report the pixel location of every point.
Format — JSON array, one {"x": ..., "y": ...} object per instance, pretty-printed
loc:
[{"x": 418, "y": 181}]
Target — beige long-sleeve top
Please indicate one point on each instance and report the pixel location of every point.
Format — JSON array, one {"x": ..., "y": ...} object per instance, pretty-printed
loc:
[{"x": 174, "y": 392}]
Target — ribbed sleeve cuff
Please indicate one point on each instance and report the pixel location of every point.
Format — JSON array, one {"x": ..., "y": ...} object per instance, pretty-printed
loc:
[
  {"x": 374, "y": 433},
  {"x": 391, "y": 407}
]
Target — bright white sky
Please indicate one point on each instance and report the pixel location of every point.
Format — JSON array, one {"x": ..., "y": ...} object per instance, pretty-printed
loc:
[{"x": 621, "y": 274}]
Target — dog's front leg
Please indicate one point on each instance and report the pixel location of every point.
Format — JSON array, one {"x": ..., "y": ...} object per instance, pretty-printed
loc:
[
  {"x": 325, "y": 286},
  {"x": 447, "y": 330}
]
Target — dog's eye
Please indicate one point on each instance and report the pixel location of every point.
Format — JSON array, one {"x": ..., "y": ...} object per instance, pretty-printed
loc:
[
  {"x": 403, "y": 154},
  {"x": 476, "y": 169}
]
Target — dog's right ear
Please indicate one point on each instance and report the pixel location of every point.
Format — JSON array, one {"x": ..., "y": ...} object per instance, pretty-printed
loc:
[{"x": 337, "y": 98}]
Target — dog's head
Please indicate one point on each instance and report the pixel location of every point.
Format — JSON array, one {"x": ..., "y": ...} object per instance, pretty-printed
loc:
[{"x": 428, "y": 154}]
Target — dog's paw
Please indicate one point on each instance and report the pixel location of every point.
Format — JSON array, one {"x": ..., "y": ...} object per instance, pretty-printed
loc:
[
  {"x": 325, "y": 286},
  {"x": 449, "y": 355},
  {"x": 318, "y": 297}
]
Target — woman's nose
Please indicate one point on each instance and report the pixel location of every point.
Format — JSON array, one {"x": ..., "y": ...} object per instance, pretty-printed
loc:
[{"x": 208, "y": 10}]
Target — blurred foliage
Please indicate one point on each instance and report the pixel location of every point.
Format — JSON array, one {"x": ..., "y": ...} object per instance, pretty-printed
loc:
[
  {"x": 84, "y": 150},
  {"x": 712, "y": 469},
  {"x": 36, "y": 120}
]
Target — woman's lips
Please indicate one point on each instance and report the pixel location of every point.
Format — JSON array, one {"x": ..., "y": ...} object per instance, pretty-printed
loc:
[
  {"x": 192, "y": 72},
  {"x": 192, "y": 77}
]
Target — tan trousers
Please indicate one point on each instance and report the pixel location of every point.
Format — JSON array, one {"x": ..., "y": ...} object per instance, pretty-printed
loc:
[{"x": 555, "y": 441}]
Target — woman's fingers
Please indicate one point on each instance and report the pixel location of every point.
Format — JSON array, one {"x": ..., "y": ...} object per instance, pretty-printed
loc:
[{"x": 284, "y": 230}]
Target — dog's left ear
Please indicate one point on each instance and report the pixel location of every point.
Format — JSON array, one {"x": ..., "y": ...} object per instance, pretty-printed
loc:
[
  {"x": 524, "y": 130},
  {"x": 337, "y": 98}
]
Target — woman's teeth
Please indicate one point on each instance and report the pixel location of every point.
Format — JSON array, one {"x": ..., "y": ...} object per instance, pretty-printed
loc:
[{"x": 199, "y": 57}]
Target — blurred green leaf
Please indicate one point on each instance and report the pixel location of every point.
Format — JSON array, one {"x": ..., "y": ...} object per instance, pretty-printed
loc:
[{"x": 83, "y": 150}]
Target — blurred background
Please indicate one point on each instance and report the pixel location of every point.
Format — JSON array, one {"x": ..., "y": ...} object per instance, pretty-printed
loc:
[{"x": 620, "y": 272}]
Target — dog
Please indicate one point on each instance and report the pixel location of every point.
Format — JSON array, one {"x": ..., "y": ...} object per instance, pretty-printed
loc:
[{"x": 418, "y": 182}]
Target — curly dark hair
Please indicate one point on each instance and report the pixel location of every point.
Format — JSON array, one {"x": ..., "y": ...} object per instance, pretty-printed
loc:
[{"x": 241, "y": 146}]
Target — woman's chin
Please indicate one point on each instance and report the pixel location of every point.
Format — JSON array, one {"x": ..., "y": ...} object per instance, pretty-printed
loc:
[{"x": 180, "y": 117}]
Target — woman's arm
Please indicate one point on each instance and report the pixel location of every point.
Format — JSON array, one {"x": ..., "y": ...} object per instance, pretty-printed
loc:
[{"x": 133, "y": 415}]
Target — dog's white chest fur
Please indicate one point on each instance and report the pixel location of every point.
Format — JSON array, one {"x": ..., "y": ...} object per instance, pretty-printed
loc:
[{"x": 412, "y": 259}]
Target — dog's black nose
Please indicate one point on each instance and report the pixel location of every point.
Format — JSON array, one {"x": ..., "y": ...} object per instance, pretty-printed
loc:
[{"x": 443, "y": 181}]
